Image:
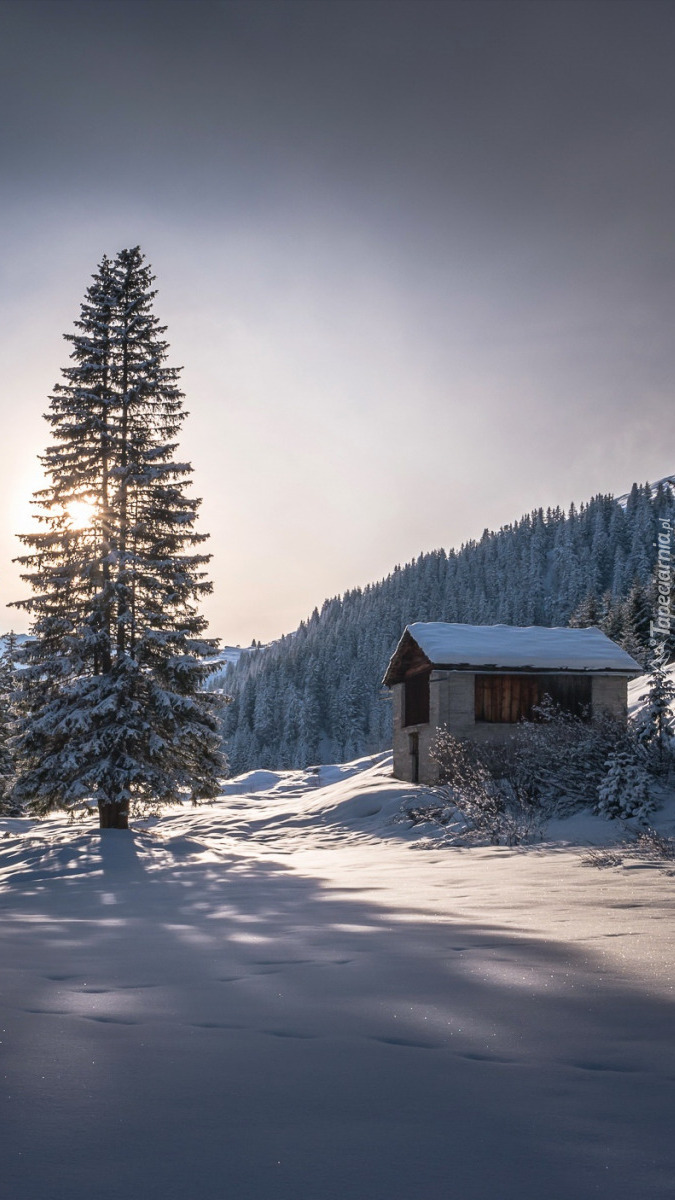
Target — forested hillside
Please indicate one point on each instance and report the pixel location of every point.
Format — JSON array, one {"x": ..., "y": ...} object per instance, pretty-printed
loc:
[{"x": 316, "y": 695}]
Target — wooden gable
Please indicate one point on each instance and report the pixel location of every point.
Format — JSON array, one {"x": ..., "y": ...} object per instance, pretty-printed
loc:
[{"x": 408, "y": 660}]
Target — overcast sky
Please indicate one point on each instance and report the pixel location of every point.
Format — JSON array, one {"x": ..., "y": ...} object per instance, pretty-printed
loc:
[{"x": 417, "y": 260}]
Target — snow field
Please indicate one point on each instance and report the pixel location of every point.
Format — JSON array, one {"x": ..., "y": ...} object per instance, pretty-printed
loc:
[{"x": 277, "y": 996}]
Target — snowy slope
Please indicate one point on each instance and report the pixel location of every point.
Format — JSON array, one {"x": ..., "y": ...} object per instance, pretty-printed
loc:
[
  {"x": 668, "y": 482},
  {"x": 276, "y": 997},
  {"x": 637, "y": 690},
  {"x": 228, "y": 655}
]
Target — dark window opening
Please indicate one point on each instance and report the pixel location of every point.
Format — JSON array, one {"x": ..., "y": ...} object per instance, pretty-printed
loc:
[
  {"x": 416, "y": 699},
  {"x": 511, "y": 698}
]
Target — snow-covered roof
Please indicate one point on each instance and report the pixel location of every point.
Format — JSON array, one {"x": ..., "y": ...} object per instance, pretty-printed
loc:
[{"x": 512, "y": 647}]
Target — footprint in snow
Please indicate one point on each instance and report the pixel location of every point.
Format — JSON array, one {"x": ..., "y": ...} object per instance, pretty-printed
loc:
[
  {"x": 214, "y": 1025},
  {"x": 48, "y": 1012},
  {"x": 410, "y": 1042},
  {"x": 490, "y": 1058},
  {"x": 281, "y": 962},
  {"x": 287, "y": 1033},
  {"x": 600, "y": 1066},
  {"x": 102, "y": 1020}
]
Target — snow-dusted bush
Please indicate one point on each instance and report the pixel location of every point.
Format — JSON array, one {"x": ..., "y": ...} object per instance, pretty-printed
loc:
[
  {"x": 559, "y": 759},
  {"x": 624, "y": 791},
  {"x": 653, "y": 846},
  {"x": 645, "y": 845},
  {"x": 552, "y": 766},
  {"x": 487, "y": 806}
]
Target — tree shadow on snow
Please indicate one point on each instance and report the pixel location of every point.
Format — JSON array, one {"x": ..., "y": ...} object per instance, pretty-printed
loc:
[{"x": 190, "y": 1021}]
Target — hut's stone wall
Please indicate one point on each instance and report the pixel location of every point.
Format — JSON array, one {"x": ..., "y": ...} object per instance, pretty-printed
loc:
[
  {"x": 610, "y": 695},
  {"x": 403, "y": 738}
]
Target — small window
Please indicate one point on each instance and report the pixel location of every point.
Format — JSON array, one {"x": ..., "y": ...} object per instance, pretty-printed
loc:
[{"x": 416, "y": 699}]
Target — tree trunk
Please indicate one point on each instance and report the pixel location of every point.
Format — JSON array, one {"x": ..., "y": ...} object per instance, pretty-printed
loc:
[{"x": 113, "y": 816}]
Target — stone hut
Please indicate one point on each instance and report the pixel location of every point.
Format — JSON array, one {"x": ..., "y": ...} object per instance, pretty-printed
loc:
[{"x": 478, "y": 681}]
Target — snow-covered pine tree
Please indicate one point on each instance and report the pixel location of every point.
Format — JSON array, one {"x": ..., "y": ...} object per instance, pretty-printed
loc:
[{"x": 111, "y": 706}]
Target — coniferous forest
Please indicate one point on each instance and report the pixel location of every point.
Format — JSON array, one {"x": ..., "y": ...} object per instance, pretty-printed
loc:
[{"x": 316, "y": 695}]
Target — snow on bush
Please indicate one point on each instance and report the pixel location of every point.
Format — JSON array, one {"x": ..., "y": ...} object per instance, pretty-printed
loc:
[
  {"x": 624, "y": 792},
  {"x": 646, "y": 845},
  {"x": 481, "y": 805},
  {"x": 550, "y": 767}
]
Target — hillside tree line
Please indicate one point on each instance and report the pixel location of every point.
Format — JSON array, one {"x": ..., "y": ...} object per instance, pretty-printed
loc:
[{"x": 316, "y": 695}]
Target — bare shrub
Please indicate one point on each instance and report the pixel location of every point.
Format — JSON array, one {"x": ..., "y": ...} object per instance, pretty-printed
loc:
[
  {"x": 563, "y": 763},
  {"x": 490, "y": 807},
  {"x": 563, "y": 757},
  {"x": 602, "y": 857},
  {"x": 552, "y": 766},
  {"x": 652, "y": 845},
  {"x": 646, "y": 846}
]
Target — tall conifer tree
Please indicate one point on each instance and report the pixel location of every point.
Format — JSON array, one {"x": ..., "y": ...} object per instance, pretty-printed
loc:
[{"x": 111, "y": 707}]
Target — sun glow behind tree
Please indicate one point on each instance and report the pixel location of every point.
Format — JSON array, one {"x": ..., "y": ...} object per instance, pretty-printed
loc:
[{"x": 81, "y": 513}]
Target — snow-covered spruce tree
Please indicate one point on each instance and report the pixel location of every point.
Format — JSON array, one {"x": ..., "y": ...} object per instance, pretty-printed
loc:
[
  {"x": 111, "y": 711},
  {"x": 636, "y": 614},
  {"x": 656, "y": 723},
  {"x": 624, "y": 791},
  {"x": 588, "y": 613}
]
